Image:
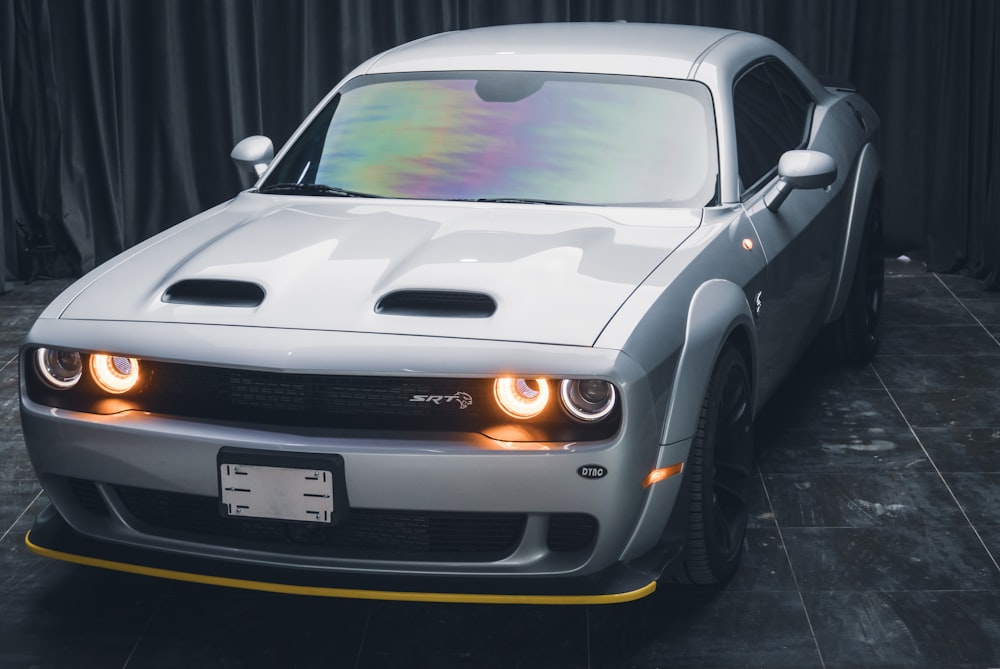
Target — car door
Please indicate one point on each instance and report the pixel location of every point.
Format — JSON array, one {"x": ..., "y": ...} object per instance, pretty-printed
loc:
[{"x": 772, "y": 113}]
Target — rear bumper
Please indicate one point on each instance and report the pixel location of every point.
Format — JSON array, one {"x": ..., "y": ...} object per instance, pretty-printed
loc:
[{"x": 52, "y": 537}]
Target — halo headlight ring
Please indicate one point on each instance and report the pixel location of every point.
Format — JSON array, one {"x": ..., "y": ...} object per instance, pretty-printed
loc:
[
  {"x": 59, "y": 368},
  {"x": 114, "y": 374},
  {"x": 521, "y": 398},
  {"x": 587, "y": 400}
]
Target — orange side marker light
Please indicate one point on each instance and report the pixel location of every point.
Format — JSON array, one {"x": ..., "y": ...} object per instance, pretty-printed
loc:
[{"x": 662, "y": 473}]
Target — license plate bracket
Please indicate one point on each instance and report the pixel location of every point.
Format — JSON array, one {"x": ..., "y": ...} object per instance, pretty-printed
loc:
[{"x": 292, "y": 487}]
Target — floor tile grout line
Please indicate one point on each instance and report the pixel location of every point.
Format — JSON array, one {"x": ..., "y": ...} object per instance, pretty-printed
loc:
[
  {"x": 8, "y": 363},
  {"x": 364, "y": 634},
  {"x": 937, "y": 470},
  {"x": 19, "y": 517},
  {"x": 961, "y": 302},
  {"x": 145, "y": 628},
  {"x": 896, "y": 356},
  {"x": 791, "y": 568}
]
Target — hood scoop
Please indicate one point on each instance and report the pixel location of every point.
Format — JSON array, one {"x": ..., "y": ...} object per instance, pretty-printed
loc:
[
  {"x": 214, "y": 293},
  {"x": 437, "y": 303}
]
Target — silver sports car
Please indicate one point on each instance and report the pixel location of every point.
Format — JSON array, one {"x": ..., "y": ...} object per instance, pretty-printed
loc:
[{"x": 493, "y": 326}]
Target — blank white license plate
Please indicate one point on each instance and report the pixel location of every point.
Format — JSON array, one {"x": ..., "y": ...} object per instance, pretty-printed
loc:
[{"x": 282, "y": 493}]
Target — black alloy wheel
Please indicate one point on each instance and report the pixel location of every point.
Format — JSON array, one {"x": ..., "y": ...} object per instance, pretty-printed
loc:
[{"x": 721, "y": 465}]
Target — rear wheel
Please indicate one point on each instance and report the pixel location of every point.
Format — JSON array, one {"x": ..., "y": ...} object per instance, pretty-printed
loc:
[
  {"x": 721, "y": 463},
  {"x": 854, "y": 337}
]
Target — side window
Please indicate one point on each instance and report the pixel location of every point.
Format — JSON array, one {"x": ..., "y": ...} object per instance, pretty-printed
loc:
[
  {"x": 771, "y": 112},
  {"x": 797, "y": 101}
]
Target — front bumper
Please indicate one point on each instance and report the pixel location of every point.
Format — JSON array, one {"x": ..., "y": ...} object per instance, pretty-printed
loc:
[
  {"x": 110, "y": 476},
  {"x": 52, "y": 537}
]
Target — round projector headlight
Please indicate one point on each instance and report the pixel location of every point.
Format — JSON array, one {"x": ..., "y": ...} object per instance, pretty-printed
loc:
[
  {"x": 587, "y": 399},
  {"x": 114, "y": 374},
  {"x": 521, "y": 398},
  {"x": 59, "y": 367}
]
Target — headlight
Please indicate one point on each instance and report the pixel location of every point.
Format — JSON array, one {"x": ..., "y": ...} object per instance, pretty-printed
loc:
[
  {"x": 114, "y": 374},
  {"x": 587, "y": 399},
  {"x": 59, "y": 367},
  {"x": 521, "y": 398}
]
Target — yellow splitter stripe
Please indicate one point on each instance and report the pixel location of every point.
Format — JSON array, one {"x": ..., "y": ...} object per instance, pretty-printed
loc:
[{"x": 346, "y": 593}]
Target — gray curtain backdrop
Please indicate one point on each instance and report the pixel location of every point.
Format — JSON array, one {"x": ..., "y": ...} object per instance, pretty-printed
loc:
[{"x": 117, "y": 116}]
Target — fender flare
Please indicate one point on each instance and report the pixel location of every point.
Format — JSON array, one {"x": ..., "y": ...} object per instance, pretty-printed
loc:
[
  {"x": 864, "y": 189},
  {"x": 718, "y": 308}
]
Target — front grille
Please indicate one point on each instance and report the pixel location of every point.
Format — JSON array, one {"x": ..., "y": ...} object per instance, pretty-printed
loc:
[
  {"x": 365, "y": 533},
  {"x": 313, "y": 399},
  {"x": 331, "y": 401}
]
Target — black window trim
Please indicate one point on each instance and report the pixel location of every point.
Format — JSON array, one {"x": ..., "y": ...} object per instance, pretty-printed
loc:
[{"x": 749, "y": 191}]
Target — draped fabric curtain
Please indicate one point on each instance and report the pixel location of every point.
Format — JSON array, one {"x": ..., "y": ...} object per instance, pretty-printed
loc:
[{"x": 117, "y": 116}]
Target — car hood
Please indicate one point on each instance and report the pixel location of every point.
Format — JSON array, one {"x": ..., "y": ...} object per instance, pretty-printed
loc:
[{"x": 556, "y": 274}]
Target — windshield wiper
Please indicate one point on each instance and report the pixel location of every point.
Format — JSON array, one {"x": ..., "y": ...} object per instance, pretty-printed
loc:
[
  {"x": 311, "y": 189},
  {"x": 510, "y": 200}
]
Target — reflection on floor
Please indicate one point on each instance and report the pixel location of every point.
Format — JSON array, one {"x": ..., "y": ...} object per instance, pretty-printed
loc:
[{"x": 874, "y": 542}]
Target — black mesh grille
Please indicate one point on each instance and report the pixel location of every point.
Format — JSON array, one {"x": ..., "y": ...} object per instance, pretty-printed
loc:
[
  {"x": 87, "y": 496},
  {"x": 571, "y": 532},
  {"x": 332, "y": 401},
  {"x": 319, "y": 400},
  {"x": 402, "y": 535}
]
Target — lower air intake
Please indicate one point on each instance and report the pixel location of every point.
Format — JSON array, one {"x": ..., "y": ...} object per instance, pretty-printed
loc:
[{"x": 365, "y": 533}]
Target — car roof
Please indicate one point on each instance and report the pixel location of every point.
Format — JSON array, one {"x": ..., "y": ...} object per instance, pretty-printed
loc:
[{"x": 614, "y": 48}]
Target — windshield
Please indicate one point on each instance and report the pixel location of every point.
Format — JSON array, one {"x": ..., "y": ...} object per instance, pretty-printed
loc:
[{"x": 511, "y": 136}]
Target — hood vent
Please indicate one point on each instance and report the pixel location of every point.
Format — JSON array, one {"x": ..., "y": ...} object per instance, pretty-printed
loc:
[
  {"x": 440, "y": 303},
  {"x": 214, "y": 293}
]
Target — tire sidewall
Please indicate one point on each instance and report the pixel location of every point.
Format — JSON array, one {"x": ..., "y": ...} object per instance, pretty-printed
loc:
[{"x": 707, "y": 562}]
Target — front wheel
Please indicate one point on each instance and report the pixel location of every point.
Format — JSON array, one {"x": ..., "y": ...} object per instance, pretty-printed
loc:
[{"x": 721, "y": 464}]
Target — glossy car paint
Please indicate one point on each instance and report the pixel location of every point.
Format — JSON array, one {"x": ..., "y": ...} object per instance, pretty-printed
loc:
[
  {"x": 643, "y": 297},
  {"x": 335, "y": 258}
]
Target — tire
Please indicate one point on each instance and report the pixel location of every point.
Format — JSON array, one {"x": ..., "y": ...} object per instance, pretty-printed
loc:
[
  {"x": 854, "y": 337},
  {"x": 721, "y": 464}
]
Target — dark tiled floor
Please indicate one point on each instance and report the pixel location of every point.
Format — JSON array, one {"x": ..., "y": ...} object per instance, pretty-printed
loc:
[{"x": 874, "y": 542}]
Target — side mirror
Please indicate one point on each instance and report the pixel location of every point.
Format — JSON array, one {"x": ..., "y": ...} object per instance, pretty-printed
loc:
[
  {"x": 254, "y": 152},
  {"x": 801, "y": 169}
]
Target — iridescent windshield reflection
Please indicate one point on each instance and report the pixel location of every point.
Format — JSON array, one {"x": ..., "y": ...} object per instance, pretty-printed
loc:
[{"x": 590, "y": 139}]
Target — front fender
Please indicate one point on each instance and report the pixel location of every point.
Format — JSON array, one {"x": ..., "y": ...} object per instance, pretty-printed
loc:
[{"x": 718, "y": 308}]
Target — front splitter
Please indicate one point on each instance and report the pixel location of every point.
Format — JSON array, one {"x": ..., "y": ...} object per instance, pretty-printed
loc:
[{"x": 52, "y": 537}]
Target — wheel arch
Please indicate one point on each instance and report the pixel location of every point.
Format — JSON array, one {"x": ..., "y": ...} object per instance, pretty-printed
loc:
[
  {"x": 719, "y": 313},
  {"x": 866, "y": 188}
]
